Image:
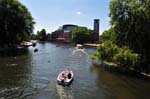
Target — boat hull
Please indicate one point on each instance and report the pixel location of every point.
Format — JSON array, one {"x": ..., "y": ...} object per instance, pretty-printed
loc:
[{"x": 66, "y": 82}]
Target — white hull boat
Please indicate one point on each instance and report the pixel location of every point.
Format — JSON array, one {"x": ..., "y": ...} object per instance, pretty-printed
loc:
[
  {"x": 65, "y": 78},
  {"x": 79, "y": 46}
]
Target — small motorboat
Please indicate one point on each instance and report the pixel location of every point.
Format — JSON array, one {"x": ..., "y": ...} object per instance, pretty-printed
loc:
[
  {"x": 79, "y": 46},
  {"x": 65, "y": 78}
]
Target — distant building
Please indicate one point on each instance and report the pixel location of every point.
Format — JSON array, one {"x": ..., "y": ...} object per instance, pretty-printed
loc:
[
  {"x": 55, "y": 35},
  {"x": 49, "y": 37},
  {"x": 95, "y": 36},
  {"x": 68, "y": 32},
  {"x": 64, "y": 33}
]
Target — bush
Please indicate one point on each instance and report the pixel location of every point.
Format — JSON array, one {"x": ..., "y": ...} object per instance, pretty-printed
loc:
[
  {"x": 108, "y": 35},
  {"x": 126, "y": 58},
  {"x": 110, "y": 52},
  {"x": 107, "y": 50},
  {"x": 95, "y": 57}
]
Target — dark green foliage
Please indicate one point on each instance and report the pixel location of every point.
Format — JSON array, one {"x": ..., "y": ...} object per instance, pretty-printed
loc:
[
  {"x": 107, "y": 50},
  {"x": 110, "y": 52},
  {"x": 131, "y": 20},
  {"x": 126, "y": 58},
  {"x": 81, "y": 35},
  {"x": 16, "y": 22},
  {"x": 41, "y": 35},
  {"x": 33, "y": 37},
  {"x": 108, "y": 35}
]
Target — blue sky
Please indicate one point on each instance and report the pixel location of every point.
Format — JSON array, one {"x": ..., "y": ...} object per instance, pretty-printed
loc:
[{"x": 50, "y": 14}]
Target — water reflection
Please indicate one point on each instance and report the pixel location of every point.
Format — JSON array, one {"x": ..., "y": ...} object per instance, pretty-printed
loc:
[
  {"x": 120, "y": 86},
  {"x": 15, "y": 74},
  {"x": 33, "y": 76}
]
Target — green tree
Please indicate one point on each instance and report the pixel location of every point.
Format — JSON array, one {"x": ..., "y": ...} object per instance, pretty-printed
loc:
[
  {"x": 108, "y": 35},
  {"x": 126, "y": 58},
  {"x": 38, "y": 35},
  {"x": 43, "y": 35},
  {"x": 131, "y": 20},
  {"x": 111, "y": 53},
  {"x": 106, "y": 51},
  {"x": 81, "y": 35},
  {"x": 16, "y": 22}
]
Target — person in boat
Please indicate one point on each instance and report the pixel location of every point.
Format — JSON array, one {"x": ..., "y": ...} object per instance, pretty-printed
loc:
[
  {"x": 63, "y": 76},
  {"x": 69, "y": 74}
]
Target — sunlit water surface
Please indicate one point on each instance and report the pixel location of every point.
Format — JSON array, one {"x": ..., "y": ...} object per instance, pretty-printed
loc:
[{"x": 33, "y": 76}]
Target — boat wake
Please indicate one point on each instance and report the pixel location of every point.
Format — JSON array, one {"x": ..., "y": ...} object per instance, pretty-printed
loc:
[
  {"x": 64, "y": 94},
  {"x": 79, "y": 52}
]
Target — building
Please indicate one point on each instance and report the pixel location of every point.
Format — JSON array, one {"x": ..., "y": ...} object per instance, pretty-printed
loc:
[
  {"x": 64, "y": 33},
  {"x": 95, "y": 36},
  {"x": 68, "y": 32},
  {"x": 55, "y": 35},
  {"x": 49, "y": 37}
]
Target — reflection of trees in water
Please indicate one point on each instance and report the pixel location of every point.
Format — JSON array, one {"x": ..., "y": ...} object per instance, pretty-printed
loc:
[
  {"x": 8, "y": 52},
  {"x": 120, "y": 86},
  {"x": 15, "y": 73}
]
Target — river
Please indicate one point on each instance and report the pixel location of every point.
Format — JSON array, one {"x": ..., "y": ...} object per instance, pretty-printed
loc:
[{"x": 33, "y": 76}]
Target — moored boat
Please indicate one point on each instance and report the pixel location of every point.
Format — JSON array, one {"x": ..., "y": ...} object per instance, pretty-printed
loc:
[{"x": 65, "y": 78}]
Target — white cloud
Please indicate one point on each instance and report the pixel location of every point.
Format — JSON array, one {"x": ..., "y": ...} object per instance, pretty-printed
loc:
[{"x": 78, "y": 13}]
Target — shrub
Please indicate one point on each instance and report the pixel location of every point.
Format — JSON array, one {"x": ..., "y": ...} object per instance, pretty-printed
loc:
[
  {"x": 110, "y": 52},
  {"x": 107, "y": 50},
  {"x": 126, "y": 58}
]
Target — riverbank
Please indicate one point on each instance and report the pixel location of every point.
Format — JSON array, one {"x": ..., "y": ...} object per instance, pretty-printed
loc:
[
  {"x": 13, "y": 50},
  {"x": 91, "y": 45},
  {"x": 88, "y": 45},
  {"x": 125, "y": 71}
]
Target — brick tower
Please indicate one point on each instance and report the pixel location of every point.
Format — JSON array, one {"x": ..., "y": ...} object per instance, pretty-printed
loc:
[{"x": 96, "y": 31}]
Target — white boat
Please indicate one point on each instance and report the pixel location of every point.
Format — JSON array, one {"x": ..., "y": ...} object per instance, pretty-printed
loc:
[
  {"x": 65, "y": 78},
  {"x": 79, "y": 46}
]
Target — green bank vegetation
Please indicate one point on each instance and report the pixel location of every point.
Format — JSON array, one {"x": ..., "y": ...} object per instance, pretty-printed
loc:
[
  {"x": 126, "y": 43},
  {"x": 81, "y": 35},
  {"x": 41, "y": 35},
  {"x": 16, "y": 23},
  {"x": 112, "y": 54}
]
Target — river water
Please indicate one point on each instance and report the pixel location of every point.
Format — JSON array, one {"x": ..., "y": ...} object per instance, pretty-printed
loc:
[{"x": 33, "y": 76}]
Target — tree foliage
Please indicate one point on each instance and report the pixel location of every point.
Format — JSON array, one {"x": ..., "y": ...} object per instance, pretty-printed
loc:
[
  {"x": 107, "y": 50},
  {"x": 126, "y": 58},
  {"x": 41, "y": 35},
  {"x": 110, "y": 52},
  {"x": 131, "y": 20},
  {"x": 81, "y": 35},
  {"x": 108, "y": 35},
  {"x": 16, "y": 22}
]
